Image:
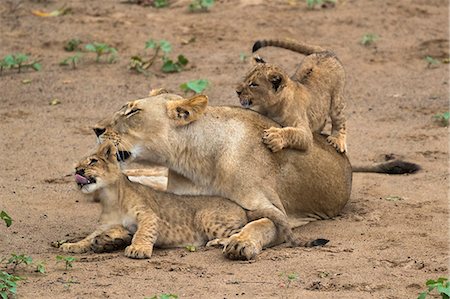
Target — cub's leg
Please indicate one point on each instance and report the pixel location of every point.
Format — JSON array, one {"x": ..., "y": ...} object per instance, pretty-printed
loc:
[
  {"x": 115, "y": 238},
  {"x": 142, "y": 244},
  {"x": 180, "y": 185},
  {"x": 217, "y": 224},
  {"x": 300, "y": 138},
  {"x": 85, "y": 244},
  {"x": 338, "y": 137}
]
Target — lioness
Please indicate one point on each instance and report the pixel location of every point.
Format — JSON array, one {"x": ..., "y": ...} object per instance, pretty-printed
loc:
[
  {"x": 301, "y": 103},
  {"x": 155, "y": 218},
  {"x": 218, "y": 150}
]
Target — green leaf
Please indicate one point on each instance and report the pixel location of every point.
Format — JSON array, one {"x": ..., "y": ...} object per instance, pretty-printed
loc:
[
  {"x": 10, "y": 60},
  {"x": 443, "y": 290},
  {"x": 21, "y": 58},
  {"x": 207, "y": 3},
  {"x": 36, "y": 66},
  {"x": 168, "y": 296},
  {"x": 5, "y": 217},
  {"x": 90, "y": 48},
  {"x": 182, "y": 60},
  {"x": 191, "y": 248},
  {"x": 422, "y": 295},
  {"x": 195, "y": 85},
  {"x": 169, "y": 66},
  {"x": 166, "y": 47},
  {"x": 150, "y": 44},
  {"x": 72, "y": 45},
  {"x": 160, "y": 3},
  {"x": 4, "y": 294}
]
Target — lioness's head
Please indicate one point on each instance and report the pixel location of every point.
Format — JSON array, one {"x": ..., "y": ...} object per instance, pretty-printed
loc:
[
  {"x": 262, "y": 86},
  {"x": 144, "y": 125},
  {"x": 98, "y": 170}
]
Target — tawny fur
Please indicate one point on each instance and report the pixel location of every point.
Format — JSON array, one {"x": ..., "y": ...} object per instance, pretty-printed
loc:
[
  {"x": 221, "y": 154},
  {"x": 155, "y": 218},
  {"x": 301, "y": 103}
]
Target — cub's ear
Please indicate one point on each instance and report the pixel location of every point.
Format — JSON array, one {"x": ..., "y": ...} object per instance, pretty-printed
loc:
[
  {"x": 185, "y": 111},
  {"x": 277, "y": 81},
  {"x": 131, "y": 108},
  {"x": 258, "y": 59},
  {"x": 108, "y": 151},
  {"x": 157, "y": 92}
]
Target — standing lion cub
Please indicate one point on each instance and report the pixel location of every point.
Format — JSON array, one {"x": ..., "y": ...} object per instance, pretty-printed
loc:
[{"x": 301, "y": 103}]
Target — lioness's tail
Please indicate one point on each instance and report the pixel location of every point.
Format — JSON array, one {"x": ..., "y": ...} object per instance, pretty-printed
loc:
[
  {"x": 295, "y": 46},
  {"x": 392, "y": 167}
]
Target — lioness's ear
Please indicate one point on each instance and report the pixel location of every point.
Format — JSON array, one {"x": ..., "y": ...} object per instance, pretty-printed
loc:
[
  {"x": 131, "y": 108},
  {"x": 108, "y": 151},
  {"x": 157, "y": 92},
  {"x": 277, "y": 80},
  {"x": 185, "y": 111}
]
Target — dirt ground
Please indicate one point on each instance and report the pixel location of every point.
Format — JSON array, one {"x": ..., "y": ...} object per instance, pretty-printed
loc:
[{"x": 390, "y": 238}]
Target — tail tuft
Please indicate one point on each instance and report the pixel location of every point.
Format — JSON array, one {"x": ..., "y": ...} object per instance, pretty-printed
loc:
[
  {"x": 399, "y": 167},
  {"x": 317, "y": 242},
  {"x": 257, "y": 45}
]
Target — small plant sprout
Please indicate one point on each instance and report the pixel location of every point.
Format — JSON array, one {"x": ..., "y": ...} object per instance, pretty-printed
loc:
[
  {"x": 170, "y": 66},
  {"x": 73, "y": 45},
  {"x": 442, "y": 286},
  {"x": 431, "y": 62},
  {"x": 18, "y": 61},
  {"x": 72, "y": 60},
  {"x": 291, "y": 278},
  {"x": 200, "y": 5},
  {"x": 191, "y": 248},
  {"x": 102, "y": 49},
  {"x": 68, "y": 260},
  {"x": 5, "y": 217},
  {"x": 15, "y": 260},
  {"x": 369, "y": 39},
  {"x": 163, "y": 296},
  {"x": 442, "y": 119},
  {"x": 40, "y": 267},
  {"x": 323, "y": 3},
  {"x": 8, "y": 285},
  {"x": 243, "y": 57},
  {"x": 197, "y": 86},
  {"x": 160, "y": 3}
]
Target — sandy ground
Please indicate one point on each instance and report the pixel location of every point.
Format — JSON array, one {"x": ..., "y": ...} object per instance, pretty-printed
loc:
[{"x": 379, "y": 248}]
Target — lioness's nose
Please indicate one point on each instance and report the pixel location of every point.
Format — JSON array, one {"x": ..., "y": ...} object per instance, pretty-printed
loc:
[{"x": 99, "y": 131}]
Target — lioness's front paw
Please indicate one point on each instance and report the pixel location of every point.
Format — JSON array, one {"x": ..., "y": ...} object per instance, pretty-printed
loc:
[
  {"x": 107, "y": 242},
  {"x": 75, "y": 247},
  {"x": 139, "y": 251},
  {"x": 238, "y": 247},
  {"x": 338, "y": 143},
  {"x": 273, "y": 139}
]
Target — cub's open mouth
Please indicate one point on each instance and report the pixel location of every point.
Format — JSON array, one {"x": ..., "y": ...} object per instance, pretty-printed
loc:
[
  {"x": 246, "y": 103},
  {"x": 82, "y": 180},
  {"x": 123, "y": 155}
]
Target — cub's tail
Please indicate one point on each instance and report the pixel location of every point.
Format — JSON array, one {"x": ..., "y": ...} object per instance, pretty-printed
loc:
[
  {"x": 295, "y": 46},
  {"x": 391, "y": 167}
]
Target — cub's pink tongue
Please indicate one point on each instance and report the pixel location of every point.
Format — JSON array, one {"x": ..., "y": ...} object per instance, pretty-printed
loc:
[{"x": 81, "y": 179}]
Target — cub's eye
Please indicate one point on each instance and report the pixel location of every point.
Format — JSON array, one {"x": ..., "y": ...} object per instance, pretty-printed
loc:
[
  {"x": 93, "y": 161},
  {"x": 253, "y": 84}
]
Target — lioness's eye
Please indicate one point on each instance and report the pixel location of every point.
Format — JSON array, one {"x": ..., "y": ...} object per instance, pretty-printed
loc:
[
  {"x": 132, "y": 112},
  {"x": 93, "y": 161},
  {"x": 252, "y": 84}
]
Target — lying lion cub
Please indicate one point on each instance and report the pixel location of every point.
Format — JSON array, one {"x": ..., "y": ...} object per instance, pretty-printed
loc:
[
  {"x": 300, "y": 104},
  {"x": 155, "y": 218}
]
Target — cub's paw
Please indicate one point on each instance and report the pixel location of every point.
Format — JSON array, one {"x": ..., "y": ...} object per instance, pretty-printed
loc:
[
  {"x": 238, "y": 247},
  {"x": 75, "y": 247},
  {"x": 338, "y": 143},
  {"x": 217, "y": 242},
  {"x": 108, "y": 242},
  {"x": 139, "y": 251},
  {"x": 273, "y": 139}
]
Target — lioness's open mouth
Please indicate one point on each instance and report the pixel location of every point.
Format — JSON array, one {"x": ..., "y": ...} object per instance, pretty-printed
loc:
[
  {"x": 82, "y": 181},
  {"x": 123, "y": 155}
]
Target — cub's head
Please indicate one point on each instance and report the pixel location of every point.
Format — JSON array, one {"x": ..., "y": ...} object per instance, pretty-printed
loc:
[
  {"x": 144, "y": 127},
  {"x": 98, "y": 170},
  {"x": 262, "y": 86}
]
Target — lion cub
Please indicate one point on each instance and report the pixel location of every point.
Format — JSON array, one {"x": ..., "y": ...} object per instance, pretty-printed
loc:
[
  {"x": 155, "y": 218},
  {"x": 301, "y": 103}
]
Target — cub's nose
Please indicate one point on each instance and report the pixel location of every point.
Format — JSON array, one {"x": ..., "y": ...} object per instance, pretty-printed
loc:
[
  {"x": 80, "y": 172},
  {"x": 99, "y": 131}
]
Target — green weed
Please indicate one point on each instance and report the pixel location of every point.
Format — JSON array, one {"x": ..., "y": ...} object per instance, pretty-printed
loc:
[
  {"x": 102, "y": 49},
  {"x": 5, "y": 217},
  {"x": 163, "y": 296},
  {"x": 200, "y": 5},
  {"x": 73, "y": 45},
  {"x": 72, "y": 60},
  {"x": 313, "y": 3},
  {"x": 15, "y": 260},
  {"x": 442, "y": 286},
  {"x": 68, "y": 260},
  {"x": 442, "y": 119},
  {"x": 8, "y": 285},
  {"x": 160, "y": 3},
  {"x": 19, "y": 61},
  {"x": 432, "y": 62},
  {"x": 369, "y": 39},
  {"x": 196, "y": 86}
]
